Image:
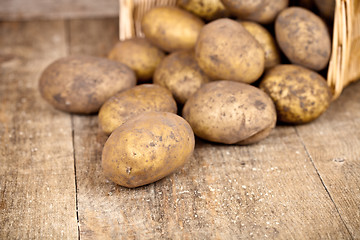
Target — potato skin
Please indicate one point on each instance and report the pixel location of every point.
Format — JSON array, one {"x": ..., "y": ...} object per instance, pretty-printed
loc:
[
  {"x": 267, "y": 42},
  {"x": 225, "y": 50},
  {"x": 300, "y": 95},
  {"x": 127, "y": 104},
  {"x": 147, "y": 148},
  {"x": 171, "y": 29},
  {"x": 180, "y": 73},
  {"x": 303, "y": 37},
  {"x": 81, "y": 84},
  {"x": 139, "y": 55},
  {"x": 206, "y": 9},
  {"x": 243, "y": 8},
  {"x": 230, "y": 112},
  {"x": 268, "y": 12}
]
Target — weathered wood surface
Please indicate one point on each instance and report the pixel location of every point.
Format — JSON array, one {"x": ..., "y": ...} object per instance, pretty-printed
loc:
[
  {"x": 266, "y": 190},
  {"x": 37, "y": 184},
  {"x": 333, "y": 144},
  {"x": 299, "y": 183},
  {"x": 55, "y": 9}
]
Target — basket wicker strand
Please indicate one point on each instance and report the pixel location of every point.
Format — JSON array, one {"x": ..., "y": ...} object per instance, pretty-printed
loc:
[
  {"x": 345, "y": 58},
  {"x": 344, "y": 65}
]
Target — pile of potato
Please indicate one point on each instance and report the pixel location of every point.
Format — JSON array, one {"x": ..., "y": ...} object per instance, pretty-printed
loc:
[{"x": 211, "y": 62}]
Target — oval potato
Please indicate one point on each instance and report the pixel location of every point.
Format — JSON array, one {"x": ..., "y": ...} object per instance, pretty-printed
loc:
[
  {"x": 171, "y": 28},
  {"x": 268, "y": 12},
  {"x": 138, "y": 54},
  {"x": 303, "y": 37},
  {"x": 300, "y": 95},
  {"x": 81, "y": 84},
  {"x": 180, "y": 73},
  {"x": 267, "y": 42},
  {"x": 225, "y": 50},
  {"x": 147, "y": 148},
  {"x": 230, "y": 112},
  {"x": 242, "y": 8},
  {"x": 206, "y": 9},
  {"x": 127, "y": 104}
]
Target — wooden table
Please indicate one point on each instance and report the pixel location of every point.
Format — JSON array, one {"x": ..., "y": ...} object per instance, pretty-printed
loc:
[{"x": 301, "y": 182}]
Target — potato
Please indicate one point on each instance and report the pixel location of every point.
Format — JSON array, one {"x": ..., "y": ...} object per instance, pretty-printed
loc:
[
  {"x": 243, "y": 8},
  {"x": 147, "y": 148},
  {"x": 268, "y": 12},
  {"x": 138, "y": 54},
  {"x": 225, "y": 50},
  {"x": 171, "y": 28},
  {"x": 267, "y": 42},
  {"x": 303, "y": 37},
  {"x": 230, "y": 112},
  {"x": 206, "y": 9},
  {"x": 81, "y": 84},
  {"x": 300, "y": 95},
  {"x": 180, "y": 73},
  {"x": 132, "y": 102}
]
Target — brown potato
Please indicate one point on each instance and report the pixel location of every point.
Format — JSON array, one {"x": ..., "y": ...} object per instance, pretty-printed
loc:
[
  {"x": 300, "y": 95},
  {"x": 147, "y": 148},
  {"x": 81, "y": 84},
  {"x": 268, "y": 12},
  {"x": 267, "y": 42},
  {"x": 230, "y": 112},
  {"x": 206, "y": 9},
  {"x": 180, "y": 73},
  {"x": 303, "y": 37},
  {"x": 139, "y": 55},
  {"x": 171, "y": 28},
  {"x": 258, "y": 136},
  {"x": 132, "y": 102},
  {"x": 225, "y": 50},
  {"x": 242, "y": 8}
]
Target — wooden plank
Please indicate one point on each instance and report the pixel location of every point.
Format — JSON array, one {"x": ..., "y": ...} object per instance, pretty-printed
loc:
[
  {"x": 37, "y": 185},
  {"x": 333, "y": 141},
  {"x": 98, "y": 36},
  {"x": 45, "y": 9},
  {"x": 270, "y": 189}
]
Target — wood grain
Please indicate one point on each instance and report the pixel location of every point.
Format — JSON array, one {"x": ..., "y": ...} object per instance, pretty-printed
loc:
[
  {"x": 37, "y": 185},
  {"x": 333, "y": 142},
  {"x": 93, "y": 36},
  {"x": 45, "y": 9},
  {"x": 300, "y": 183},
  {"x": 267, "y": 190}
]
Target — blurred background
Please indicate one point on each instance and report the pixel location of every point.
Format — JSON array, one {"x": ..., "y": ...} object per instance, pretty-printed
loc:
[{"x": 55, "y": 9}]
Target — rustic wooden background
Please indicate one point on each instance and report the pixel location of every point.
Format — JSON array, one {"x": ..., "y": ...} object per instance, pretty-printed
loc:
[
  {"x": 302, "y": 182},
  {"x": 55, "y": 9}
]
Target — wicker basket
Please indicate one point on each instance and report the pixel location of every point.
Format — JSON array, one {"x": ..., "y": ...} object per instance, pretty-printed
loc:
[{"x": 345, "y": 58}]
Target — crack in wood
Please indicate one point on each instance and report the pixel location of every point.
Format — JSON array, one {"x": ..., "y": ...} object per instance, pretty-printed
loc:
[
  {"x": 76, "y": 187},
  {"x": 68, "y": 44},
  {"x": 322, "y": 181}
]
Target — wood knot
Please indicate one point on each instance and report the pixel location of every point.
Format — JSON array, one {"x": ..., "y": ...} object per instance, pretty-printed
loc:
[{"x": 339, "y": 160}]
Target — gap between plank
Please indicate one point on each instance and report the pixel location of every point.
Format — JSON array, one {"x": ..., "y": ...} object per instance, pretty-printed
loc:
[
  {"x": 322, "y": 181},
  {"x": 76, "y": 188},
  {"x": 68, "y": 52}
]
